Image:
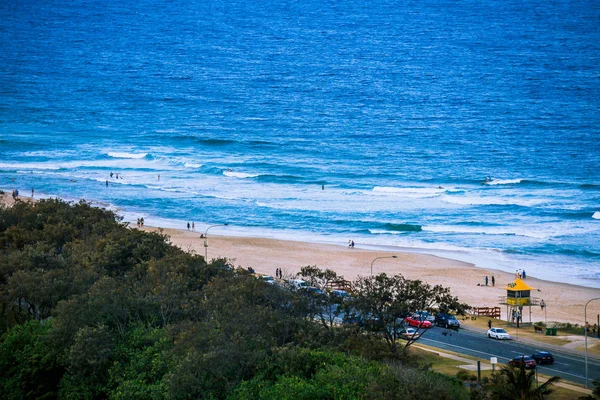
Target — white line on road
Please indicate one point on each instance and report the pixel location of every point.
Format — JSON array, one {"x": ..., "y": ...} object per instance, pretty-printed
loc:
[{"x": 492, "y": 355}]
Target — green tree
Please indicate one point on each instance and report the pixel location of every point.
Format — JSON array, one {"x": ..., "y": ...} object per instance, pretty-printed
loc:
[
  {"x": 327, "y": 307},
  {"x": 516, "y": 383},
  {"x": 383, "y": 302},
  {"x": 28, "y": 369}
]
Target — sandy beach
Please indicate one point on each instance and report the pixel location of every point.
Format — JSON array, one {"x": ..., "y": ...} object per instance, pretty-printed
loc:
[{"x": 565, "y": 302}]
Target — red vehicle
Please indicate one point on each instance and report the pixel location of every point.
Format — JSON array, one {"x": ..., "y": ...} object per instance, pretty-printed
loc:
[
  {"x": 528, "y": 361},
  {"x": 417, "y": 321}
]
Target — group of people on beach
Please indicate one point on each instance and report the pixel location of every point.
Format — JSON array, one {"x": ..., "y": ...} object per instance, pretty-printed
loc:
[
  {"x": 192, "y": 226},
  {"x": 140, "y": 222},
  {"x": 278, "y": 273},
  {"x": 15, "y": 193},
  {"x": 487, "y": 281},
  {"x": 520, "y": 274}
]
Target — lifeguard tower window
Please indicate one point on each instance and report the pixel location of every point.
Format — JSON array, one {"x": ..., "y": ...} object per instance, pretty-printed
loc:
[{"x": 518, "y": 294}]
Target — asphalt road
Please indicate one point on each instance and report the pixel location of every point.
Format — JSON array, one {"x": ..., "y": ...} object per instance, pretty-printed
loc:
[{"x": 569, "y": 366}]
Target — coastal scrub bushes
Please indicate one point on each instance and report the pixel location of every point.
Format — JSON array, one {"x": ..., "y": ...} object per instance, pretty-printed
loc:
[{"x": 91, "y": 309}]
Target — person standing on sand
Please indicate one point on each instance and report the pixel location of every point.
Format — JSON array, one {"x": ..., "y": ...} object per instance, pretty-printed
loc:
[
  {"x": 486, "y": 280},
  {"x": 32, "y": 191},
  {"x": 188, "y": 226},
  {"x": 493, "y": 281},
  {"x": 524, "y": 275}
]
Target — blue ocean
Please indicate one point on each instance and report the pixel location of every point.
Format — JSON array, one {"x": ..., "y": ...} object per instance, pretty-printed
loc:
[{"x": 466, "y": 129}]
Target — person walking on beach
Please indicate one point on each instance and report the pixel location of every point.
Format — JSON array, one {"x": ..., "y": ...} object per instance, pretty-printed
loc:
[
  {"x": 493, "y": 281},
  {"x": 542, "y": 304},
  {"x": 524, "y": 275},
  {"x": 486, "y": 280},
  {"x": 142, "y": 221},
  {"x": 32, "y": 191},
  {"x": 188, "y": 226},
  {"x": 193, "y": 227}
]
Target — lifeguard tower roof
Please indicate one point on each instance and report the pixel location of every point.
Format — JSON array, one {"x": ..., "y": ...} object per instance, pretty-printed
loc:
[{"x": 518, "y": 285}]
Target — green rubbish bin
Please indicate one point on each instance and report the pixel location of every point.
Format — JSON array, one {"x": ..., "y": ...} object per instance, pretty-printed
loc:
[{"x": 550, "y": 331}]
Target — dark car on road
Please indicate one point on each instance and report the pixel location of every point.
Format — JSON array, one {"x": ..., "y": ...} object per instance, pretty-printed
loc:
[
  {"x": 528, "y": 361},
  {"x": 543, "y": 357},
  {"x": 447, "y": 321}
]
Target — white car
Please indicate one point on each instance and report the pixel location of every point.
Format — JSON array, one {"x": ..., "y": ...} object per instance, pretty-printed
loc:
[
  {"x": 498, "y": 333},
  {"x": 299, "y": 284}
]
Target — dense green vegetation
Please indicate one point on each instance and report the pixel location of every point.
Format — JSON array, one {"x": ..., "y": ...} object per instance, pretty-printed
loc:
[{"x": 90, "y": 309}]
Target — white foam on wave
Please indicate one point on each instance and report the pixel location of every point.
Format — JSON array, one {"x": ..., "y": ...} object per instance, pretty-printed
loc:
[
  {"x": 192, "y": 165},
  {"x": 503, "y": 182},
  {"x": 241, "y": 175},
  {"x": 490, "y": 230},
  {"x": 490, "y": 201},
  {"x": 121, "y": 154},
  {"x": 596, "y": 215},
  {"x": 32, "y": 166},
  {"x": 413, "y": 192}
]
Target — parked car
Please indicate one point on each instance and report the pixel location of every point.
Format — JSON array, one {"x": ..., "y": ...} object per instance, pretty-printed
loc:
[
  {"x": 498, "y": 333},
  {"x": 313, "y": 290},
  {"x": 408, "y": 334},
  {"x": 543, "y": 357},
  {"x": 425, "y": 316},
  {"x": 267, "y": 278},
  {"x": 415, "y": 320},
  {"x": 342, "y": 294},
  {"x": 299, "y": 284},
  {"x": 528, "y": 361},
  {"x": 447, "y": 321}
]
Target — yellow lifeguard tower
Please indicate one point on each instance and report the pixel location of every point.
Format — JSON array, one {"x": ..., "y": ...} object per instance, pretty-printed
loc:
[{"x": 518, "y": 295}]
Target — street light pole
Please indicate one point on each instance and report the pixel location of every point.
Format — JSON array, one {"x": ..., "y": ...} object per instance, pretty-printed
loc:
[
  {"x": 206, "y": 241},
  {"x": 585, "y": 334},
  {"x": 372, "y": 262}
]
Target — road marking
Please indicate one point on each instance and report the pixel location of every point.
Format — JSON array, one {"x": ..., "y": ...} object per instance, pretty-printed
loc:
[
  {"x": 563, "y": 355},
  {"x": 489, "y": 354}
]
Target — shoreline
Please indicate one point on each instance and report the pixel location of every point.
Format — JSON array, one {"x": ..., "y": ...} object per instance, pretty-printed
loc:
[{"x": 565, "y": 301}]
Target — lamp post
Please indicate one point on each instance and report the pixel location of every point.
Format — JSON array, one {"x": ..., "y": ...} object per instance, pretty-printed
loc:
[
  {"x": 585, "y": 334},
  {"x": 206, "y": 241},
  {"x": 378, "y": 259}
]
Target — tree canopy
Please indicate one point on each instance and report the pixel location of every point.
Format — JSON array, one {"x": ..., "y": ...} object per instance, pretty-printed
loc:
[{"x": 92, "y": 309}]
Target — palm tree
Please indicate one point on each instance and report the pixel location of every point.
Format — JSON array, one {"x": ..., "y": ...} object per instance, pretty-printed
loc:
[{"x": 513, "y": 383}]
